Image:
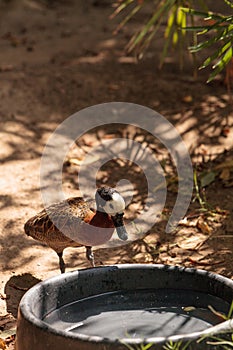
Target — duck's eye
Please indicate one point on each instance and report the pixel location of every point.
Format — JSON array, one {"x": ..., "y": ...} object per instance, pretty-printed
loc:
[{"x": 111, "y": 206}]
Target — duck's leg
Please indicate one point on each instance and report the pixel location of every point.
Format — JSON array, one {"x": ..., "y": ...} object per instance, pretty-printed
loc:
[
  {"x": 90, "y": 255},
  {"x": 61, "y": 262}
]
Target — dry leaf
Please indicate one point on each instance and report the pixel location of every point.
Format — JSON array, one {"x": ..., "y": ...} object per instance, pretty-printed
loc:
[
  {"x": 7, "y": 322},
  {"x": 7, "y": 334},
  {"x": 203, "y": 226},
  {"x": 160, "y": 186},
  {"x": 109, "y": 136},
  {"x": 192, "y": 242},
  {"x": 225, "y": 174},
  {"x": 86, "y": 160},
  {"x": 187, "y": 99},
  {"x": 203, "y": 150},
  {"x": 227, "y": 164},
  {"x": 229, "y": 184},
  {"x": 6, "y": 68},
  {"x": 89, "y": 142},
  {"x": 2, "y": 344},
  {"x": 8, "y": 326},
  {"x": 113, "y": 87},
  {"x": 188, "y": 223},
  {"x": 225, "y": 132},
  {"x": 189, "y": 308},
  {"x": 3, "y": 296},
  {"x": 217, "y": 313}
]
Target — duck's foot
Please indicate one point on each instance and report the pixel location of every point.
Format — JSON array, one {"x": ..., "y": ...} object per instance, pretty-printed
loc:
[
  {"x": 61, "y": 262},
  {"x": 90, "y": 256}
]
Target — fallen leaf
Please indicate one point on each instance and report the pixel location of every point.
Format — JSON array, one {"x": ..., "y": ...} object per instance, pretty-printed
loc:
[
  {"x": 192, "y": 242},
  {"x": 193, "y": 261},
  {"x": 201, "y": 262},
  {"x": 113, "y": 87},
  {"x": 203, "y": 226},
  {"x": 2, "y": 344},
  {"x": 207, "y": 178},
  {"x": 188, "y": 308},
  {"x": 160, "y": 186},
  {"x": 7, "y": 322},
  {"x": 217, "y": 313},
  {"x": 6, "y": 334},
  {"x": 203, "y": 150},
  {"x": 188, "y": 223},
  {"x": 228, "y": 184},
  {"x": 6, "y": 68},
  {"x": 87, "y": 160},
  {"x": 225, "y": 174},
  {"x": 222, "y": 212},
  {"x": 187, "y": 99},
  {"x": 89, "y": 141},
  {"x": 109, "y": 136},
  {"x": 225, "y": 132},
  {"x": 227, "y": 164}
]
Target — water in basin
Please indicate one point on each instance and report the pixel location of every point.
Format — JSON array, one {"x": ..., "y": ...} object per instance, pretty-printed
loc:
[{"x": 139, "y": 313}]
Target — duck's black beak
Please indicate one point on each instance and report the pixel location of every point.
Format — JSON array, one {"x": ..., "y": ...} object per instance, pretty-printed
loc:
[{"x": 120, "y": 227}]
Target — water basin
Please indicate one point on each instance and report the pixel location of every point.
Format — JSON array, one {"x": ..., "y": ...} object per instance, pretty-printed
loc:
[{"x": 108, "y": 307}]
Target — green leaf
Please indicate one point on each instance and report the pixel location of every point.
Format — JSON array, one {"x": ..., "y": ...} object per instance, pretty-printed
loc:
[
  {"x": 224, "y": 60},
  {"x": 230, "y": 312},
  {"x": 121, "y": 7},
  {"x": 206, "y": 15},
  {"x": 216, "y": 54},
  {"x": 183, "y": 22},
  {"x": 218, "y": 67},
  {"x": 127, "y": 18},
  {"x": 170, "y": 23},
  {"x": 175, "y": 38},
  {"x": 147, "y": 346},
  {"x": 203, "y": 29},
  {"x": 167, "y": 44},
  {"x": 205, "y": 44},
  {"x": 155, "y": 19},
  {"x": 229, "y": 3},
  {"x": 207, "y": 178}
]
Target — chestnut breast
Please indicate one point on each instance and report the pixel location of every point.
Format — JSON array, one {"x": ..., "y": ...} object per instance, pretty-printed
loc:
[{"x": 98, "y": 230}]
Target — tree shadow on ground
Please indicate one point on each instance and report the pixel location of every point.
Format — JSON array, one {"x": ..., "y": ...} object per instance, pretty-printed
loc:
[
  {"x": 204, "y": 241},
  {"x": 70, "y": 80}
]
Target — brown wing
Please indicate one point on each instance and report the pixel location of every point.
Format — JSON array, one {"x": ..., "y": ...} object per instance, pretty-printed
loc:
[{"x": 67, "y": 215}]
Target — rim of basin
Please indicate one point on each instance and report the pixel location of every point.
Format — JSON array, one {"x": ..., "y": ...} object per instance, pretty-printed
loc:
[{"x": 26, "y": 304}]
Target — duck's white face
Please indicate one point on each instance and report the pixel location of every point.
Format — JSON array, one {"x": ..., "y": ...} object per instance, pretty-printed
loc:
[
  {"x": 116, "y": 205},
  {"x": 113, "y": 204}
]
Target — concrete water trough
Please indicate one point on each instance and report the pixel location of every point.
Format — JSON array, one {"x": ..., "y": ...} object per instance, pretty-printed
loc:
[{"x": 115, "y": 306}]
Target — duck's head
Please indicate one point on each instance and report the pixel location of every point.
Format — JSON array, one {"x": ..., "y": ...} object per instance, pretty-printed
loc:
[{"x": 111, "y": 202}]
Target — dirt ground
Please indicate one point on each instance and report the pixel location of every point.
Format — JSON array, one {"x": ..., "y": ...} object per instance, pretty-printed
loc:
[{"x": 56, "y": 60}]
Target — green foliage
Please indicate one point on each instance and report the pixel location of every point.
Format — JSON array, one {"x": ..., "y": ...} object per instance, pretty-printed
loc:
[
  {"x": 163, "y": 10},
  {"x": 180, "y": 19},
  {"x": 176, "y": 346},
  {"x": 139, "y": 347},
  {"x": 218, "y": 342},
  {"x": 221, "y": 29}
]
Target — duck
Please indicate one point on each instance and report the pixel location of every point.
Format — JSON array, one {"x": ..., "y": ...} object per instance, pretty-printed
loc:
[{"x": 75, "y": 223}]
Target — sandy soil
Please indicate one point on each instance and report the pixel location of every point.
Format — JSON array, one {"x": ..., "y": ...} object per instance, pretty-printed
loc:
[{"x": 58, "y": 59}]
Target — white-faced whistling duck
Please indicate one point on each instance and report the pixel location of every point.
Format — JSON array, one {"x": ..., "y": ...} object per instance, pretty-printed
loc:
[{"x": 71, "y": 215}]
